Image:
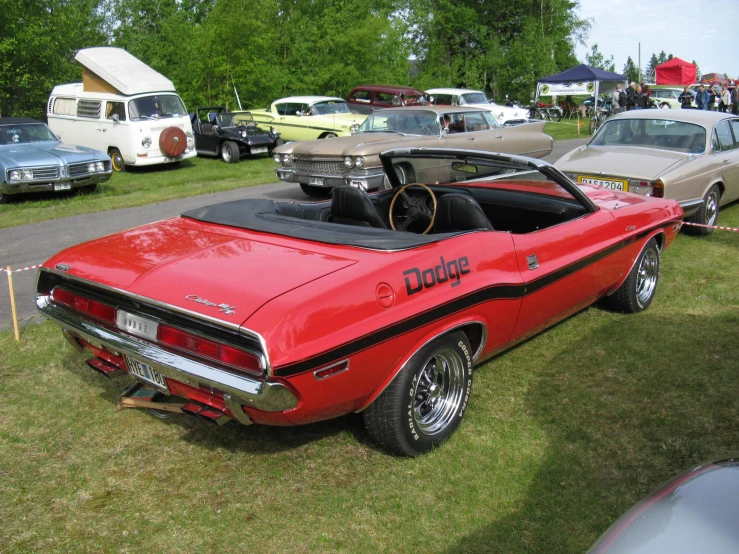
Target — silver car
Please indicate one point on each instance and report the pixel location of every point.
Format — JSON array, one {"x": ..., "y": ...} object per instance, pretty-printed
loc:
[{"x": 691, "y": 156}]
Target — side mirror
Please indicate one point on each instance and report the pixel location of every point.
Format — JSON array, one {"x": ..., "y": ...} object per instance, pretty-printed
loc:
[
  {"x": 115, "y": 118},
  {"x": 444, "y": 131}
]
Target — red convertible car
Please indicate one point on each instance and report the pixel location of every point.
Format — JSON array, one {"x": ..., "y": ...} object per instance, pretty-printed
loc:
[{"x": 284, "y": 313}]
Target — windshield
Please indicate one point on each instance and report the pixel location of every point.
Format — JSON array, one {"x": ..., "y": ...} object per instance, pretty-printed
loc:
[
  {"x": 25, "y": 133},
  {"x": 473, "y": 98},
  {"x": 662, "y": 134},
  {"x": 329, "y": 107},
  {"x": 156, "y": 107},
  {"x": 409, "y": 122}
]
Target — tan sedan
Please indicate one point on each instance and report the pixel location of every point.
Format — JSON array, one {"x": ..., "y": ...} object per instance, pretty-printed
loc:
[
  {"x": 320, "y": 165},
  {"x": 691, "y": 156}
]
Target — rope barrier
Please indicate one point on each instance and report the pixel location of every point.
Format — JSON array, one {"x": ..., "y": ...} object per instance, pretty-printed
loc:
[
  {"x": 13, "y": 310},
  {"x": 719, "y": 227}
]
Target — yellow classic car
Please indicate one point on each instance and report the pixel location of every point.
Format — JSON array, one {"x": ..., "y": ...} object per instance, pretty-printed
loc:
[{"x": 307, "y": 117}]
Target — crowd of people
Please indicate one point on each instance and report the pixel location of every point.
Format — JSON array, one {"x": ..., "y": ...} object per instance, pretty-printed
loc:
[{"x": 637, "y": 97}]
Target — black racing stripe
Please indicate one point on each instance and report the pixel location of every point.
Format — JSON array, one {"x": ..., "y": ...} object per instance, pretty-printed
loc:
[{"x": 493, "y": 292}]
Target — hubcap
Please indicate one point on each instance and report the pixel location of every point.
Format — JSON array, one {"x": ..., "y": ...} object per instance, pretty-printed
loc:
[
  {"x": 646, "y": 279},
  {"x": 711, "y": 208},
  {"x": 227, "y": 154},
  {"x": 438, "y": 391}
]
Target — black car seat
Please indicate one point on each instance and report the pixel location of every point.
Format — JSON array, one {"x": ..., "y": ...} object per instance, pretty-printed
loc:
[
  {"x": 459, "y": 212},
  {"x": 352, "y": 206}
]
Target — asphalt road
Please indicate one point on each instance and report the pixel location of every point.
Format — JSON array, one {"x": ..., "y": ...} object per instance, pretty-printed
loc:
[{"x": 33, "y": 244}]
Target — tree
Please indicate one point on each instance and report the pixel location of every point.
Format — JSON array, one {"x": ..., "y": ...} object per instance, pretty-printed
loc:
[
  {"x": 39, "y": 41},
  {"x": 597, "y": 59},
  {"x": 630, "y": 70},
  {"x": 698, "y": 73}
]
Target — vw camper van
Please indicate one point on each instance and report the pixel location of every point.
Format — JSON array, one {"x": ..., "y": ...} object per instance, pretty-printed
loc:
[{"x": 122, "y": 107}]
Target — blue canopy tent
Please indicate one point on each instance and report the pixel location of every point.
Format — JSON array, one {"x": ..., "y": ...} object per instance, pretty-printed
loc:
[{"x": 582, "y": 79}]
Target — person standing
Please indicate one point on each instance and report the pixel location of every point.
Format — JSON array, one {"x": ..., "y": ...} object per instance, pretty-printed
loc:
[
  {"x": 701, "y": 99},
  {"x": 639, "y": 99},
  {"x": 630, "y": 96},
  {"x": 711, "y": 99},
  {"x": 686, "y": 99},
  {"x": 618, "y": 99},
  {"x": 735, "y": 101},
  {"x": 724, "y": 99}
]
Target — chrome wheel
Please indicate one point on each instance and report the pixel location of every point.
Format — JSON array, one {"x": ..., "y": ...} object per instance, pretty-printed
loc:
[
  {"x": 437, "y": 393},
  {"x": 647, "y": 274},
  {"x": 711, "y": 207}
]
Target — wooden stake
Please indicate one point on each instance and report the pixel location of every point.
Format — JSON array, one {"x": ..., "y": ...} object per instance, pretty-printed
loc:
[{"x": 12, "y": 304}]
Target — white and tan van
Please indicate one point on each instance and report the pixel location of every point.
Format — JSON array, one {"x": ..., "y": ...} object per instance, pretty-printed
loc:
[{"x": 122, "y": 107}]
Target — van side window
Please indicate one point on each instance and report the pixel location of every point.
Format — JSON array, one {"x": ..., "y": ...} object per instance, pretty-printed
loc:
[
  {"x": 115, "y": 108},
  {"x": 88, "y": 108},
  {"x": 64, "y": 106}
]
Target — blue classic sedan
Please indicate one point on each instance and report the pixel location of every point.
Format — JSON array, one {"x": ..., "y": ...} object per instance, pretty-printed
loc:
[{"x": 33, "y": 160}]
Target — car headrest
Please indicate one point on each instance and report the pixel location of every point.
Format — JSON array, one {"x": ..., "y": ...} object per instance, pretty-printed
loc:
[
  {"x": 459, "y": 212},
  {"x": 352, "y": 206}
]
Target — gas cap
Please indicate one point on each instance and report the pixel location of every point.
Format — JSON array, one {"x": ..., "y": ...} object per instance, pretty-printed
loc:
[{"x": 385, "y": 295}]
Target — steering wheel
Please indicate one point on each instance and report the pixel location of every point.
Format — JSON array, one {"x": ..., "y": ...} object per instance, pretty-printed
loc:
[{"x": 413, "y": 210}]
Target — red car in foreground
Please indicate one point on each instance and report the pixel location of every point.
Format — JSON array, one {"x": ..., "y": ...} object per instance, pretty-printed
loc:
[{"x": 284, "y": 313}]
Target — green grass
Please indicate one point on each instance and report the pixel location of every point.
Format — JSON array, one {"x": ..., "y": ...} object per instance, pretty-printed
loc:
[
  {"x": 562, "y": 435},
  {"x": 566, "y": 129},
  {"x": 140, "y": 186}
]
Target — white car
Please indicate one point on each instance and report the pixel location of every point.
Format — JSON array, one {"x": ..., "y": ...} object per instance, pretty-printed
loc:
[
  {"x": 466, "y": 97},
  {"x": 666, "y": 97}
]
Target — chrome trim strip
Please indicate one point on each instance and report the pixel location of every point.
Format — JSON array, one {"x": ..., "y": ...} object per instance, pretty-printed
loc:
[
  {"x": 184, "y": 311},
  {"x": 235, "y": 407},
  {"x": 690, "y": 203},
  {"x": 345, "y": 360},
  {"x": 263, "y": 395}
]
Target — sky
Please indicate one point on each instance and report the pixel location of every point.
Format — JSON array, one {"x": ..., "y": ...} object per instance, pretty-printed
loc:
[{"x": 702, "y": 30}]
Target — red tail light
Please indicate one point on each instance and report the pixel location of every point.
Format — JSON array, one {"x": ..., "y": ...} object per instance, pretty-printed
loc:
[
  {"x": 658, "y": 189},
  {"x": 84, "y": 305},
  {"x": 227, "y": 355}
]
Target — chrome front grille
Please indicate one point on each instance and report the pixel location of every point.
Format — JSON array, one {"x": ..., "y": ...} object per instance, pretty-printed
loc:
[
  {"x": 321, "y": 167},
  {"x": 45, "y": 173},
  {"x": 79, "y": 170}
]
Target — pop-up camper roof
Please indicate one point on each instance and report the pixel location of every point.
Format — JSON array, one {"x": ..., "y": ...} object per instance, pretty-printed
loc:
[{"x": 115, "y": 70}]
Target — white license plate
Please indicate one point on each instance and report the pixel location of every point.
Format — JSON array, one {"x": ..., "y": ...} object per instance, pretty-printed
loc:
[
  {"x": 260, "y": 150},
  {"x": 62, "y": 186},
  {"x": 316, "y": 181},
  {"x": 613, "y": 184},
  {"x": 146, "y": 372}
]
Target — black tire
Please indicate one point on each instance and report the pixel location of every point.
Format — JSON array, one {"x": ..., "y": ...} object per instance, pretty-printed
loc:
[
  {"x": 426, "y": 401},
  {"x": 314, "y": 191},
  {"x": 594, "y": 125},
  {"x": 555, "y": 115},
  {"x": 116, "y": 160},
  {"x": 535, "y": 114},
  {"x": 707, "y": 214},
  {"x": 230, "y": 152},
  {"x": 665, "y": 106},
  {"x": 4, "y": 198},
  {"x": 637, "y": 291},
  {"x": 87, "y": 189},
  {"x": 329, "y": 135}
]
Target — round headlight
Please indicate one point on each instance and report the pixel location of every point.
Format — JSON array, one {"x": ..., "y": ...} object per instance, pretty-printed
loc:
[
  {"x": 243, "y": 134},
  {"x": 359, "y": 162},
  {"x": 190, "y": 138},
  {"x": 91, "y": 168},
  {"x": 146, "y": 143},
  {"x": 100, "y": 166},
  {"x": 348, "y": 161},
  {"x": 277, "y": 158},
  {"x": 286, "y": 159},
  {"x": 15, "y": 175},
  {"x": 27, "y": 174},
  {"x": 353, "y": 128}
]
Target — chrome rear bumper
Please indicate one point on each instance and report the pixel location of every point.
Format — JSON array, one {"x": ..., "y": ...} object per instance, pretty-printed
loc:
[{"x": 237, "y": 389}]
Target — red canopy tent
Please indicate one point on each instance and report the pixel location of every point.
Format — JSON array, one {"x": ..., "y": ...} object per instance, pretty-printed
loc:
[{"x": 676, "y": 72}]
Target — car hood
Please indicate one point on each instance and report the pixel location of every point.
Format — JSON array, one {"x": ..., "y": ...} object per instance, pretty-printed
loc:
[
  {"x": 194, "y": 267},
  {"x": 46, "y": 153},
  {"x": 621, "y": 161},
  {"x": 360, "y": 143}
]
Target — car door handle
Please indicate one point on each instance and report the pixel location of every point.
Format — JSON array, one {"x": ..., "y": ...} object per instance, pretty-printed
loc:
[
  {"x": 471, "y": 138},
  {"x": 499, "y": 136}
]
